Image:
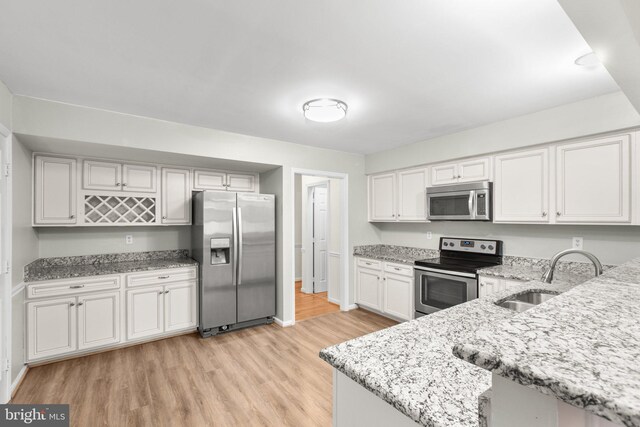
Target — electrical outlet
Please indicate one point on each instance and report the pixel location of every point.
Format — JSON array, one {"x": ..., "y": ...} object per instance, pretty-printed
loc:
[
  {"x": 577, "y": 243},
  {"x": 429, "y": 235},
  {"x": 128, "y": 239}
]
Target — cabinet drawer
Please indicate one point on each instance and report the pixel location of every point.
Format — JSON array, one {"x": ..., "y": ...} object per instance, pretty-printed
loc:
[
  {"x": 73, "y": 286},
  {"x": 401, "y": 269},
  {"x": 156, "y": 277},
  {"x": 369, "y": 263}
]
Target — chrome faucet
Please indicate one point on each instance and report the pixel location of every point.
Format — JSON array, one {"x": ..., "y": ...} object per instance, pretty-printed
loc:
[{"x": 548, "y": 275}]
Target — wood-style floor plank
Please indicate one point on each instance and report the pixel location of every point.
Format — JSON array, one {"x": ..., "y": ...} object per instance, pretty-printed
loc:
[
  {"x": 309, "y": 306},
  {"x": 262, "y": 376}
]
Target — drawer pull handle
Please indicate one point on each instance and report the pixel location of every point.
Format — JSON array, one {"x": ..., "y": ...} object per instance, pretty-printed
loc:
[
  {"x": 72, "y": 304},
  {"x": 163, "y": 277},
  {"x": 396, "y": 268},
  {"x": 368, "y": 263},
  {"x": 166, "y": 292},
  {"x": 80, "y": 303},
  {"x": 76, "y": 287}
]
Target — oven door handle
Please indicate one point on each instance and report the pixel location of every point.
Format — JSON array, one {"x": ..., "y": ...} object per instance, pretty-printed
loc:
[{"x": 448, "y": 272}]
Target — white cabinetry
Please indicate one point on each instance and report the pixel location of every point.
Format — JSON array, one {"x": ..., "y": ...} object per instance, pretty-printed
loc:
[
  {"x": 98, "y": 320},
  {"x": 55, "y": 190},
  {"x": 145, "y": 312},
  {"x": 51, "y": 327},
  {"x": 111, "y": 176},
  {"x": 179, "y": 306},
  {"x": 176, "y": 196},
  {"x": 464, "y": 171},
  {"x": 385, "y": 287},
  {"x": 490, "y": 285},
  {"x": 593, "y": 181},
  {"x": 398, "y": 196},
  {"x": 521, "y": 186},
  {"x": 219, "y": 180}
]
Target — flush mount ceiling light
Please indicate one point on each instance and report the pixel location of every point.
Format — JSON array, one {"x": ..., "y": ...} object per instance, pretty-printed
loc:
[
  {"x": 590, "y": 60},
  {"x": 324, "y": 110}
]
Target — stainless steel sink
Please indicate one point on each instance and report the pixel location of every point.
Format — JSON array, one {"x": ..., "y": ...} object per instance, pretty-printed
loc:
[{"x": 525, "y": 301}]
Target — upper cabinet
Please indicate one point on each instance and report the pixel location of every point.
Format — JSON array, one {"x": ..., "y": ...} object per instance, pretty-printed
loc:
[
  {"x": 521, "y": 186},
  {"x": 217, "y": 180},
  {"x": 55, "y": 190},
  {"x": 176, "y": 196},
  {"x": 593, "y": 181},
  {"x": 399, "y": 196},
  {"x": 109, "y": 176},
  {"x": 465, "y": 171}
]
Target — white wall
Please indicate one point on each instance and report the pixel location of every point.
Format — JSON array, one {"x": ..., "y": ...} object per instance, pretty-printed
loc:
[
  {"x": 76, "y": 123},
  {"x": 61, "y": 241},
  {"x": 6, "y": 100},
  {"x": 591, "y": 116},
  {"x": 298, "y": 221}
]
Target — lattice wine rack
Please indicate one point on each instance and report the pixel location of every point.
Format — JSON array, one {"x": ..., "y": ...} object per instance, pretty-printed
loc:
[{"x": 119, "y": 210}]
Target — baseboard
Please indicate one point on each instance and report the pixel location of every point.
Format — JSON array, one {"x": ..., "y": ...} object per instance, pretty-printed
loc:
[
  {"x": 284, "y": 324},
  {"x": 352, "y": 307},
  {"x": 333, "y": 300},
  {"x": 16, "y": 383}
]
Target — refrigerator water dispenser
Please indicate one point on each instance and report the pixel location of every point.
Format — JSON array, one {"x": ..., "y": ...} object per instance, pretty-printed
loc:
[{"x": 220, "y": 251}]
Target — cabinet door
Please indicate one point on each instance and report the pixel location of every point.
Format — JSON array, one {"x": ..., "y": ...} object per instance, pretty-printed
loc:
[
  {"x": 412, "y": 190},
  {"x": 101, "y": 175},
  {"x": 398, "y": 292},
  {"x": 52, "y": 327},
  {"x": 444, "y": 174},
  {"x": 98, "y": 320},
  {"x": 488, "y": 285},
  {"x": 139, "y": 178},
  {"x": 521, "y": 187},
  {"x": 241, "y": 182},
  {"x": 179, "y": 306},
  {"x": 55, "y": 190},
  {"x": 176, "y": 196},
  {"x": 369, "y": 288},
  {"x": 592, "y": 181},
  {"x": 209, "y": 180},
  {"x": 382, "y": 196},
  {"x": 474, "y": 170},
  {"x": 145, "y": 312}
]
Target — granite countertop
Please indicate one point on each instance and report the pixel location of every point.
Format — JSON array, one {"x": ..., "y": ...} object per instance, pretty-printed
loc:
[
  {"x": 581, "y": 347},
  {"x": 399, "y": 254},
  {"x": 98, "y": 265},
  {"x": 411, "y": 365}
]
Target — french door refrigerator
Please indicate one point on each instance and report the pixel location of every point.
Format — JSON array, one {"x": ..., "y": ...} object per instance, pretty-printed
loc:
[{"x": 233, "y": 239}]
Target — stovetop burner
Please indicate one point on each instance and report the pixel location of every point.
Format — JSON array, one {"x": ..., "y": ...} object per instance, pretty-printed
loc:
[{"x": 465, "y": 255}]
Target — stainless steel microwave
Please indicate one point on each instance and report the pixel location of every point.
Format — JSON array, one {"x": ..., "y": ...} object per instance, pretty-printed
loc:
[{"x": 460, "y": 202}]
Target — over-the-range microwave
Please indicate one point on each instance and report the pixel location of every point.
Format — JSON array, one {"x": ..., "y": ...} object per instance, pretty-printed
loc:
[{"x": 460, "y": 202}]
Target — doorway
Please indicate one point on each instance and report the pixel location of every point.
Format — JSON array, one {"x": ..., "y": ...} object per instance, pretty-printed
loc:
[
  {"x": 5, "y": 262},
  {"x": 318, "y": 251}
]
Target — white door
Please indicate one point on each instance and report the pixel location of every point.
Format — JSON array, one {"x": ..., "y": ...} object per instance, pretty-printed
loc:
[
  {"x": 368, "y": 288},
  {"x": 209, "y": 180},
  {"x": 241, "y": 182},
  {"x": 593, "y": 180},
  {"x": 5, "y": 262},
  {"x": 98, "y": 320},
  {"x": 488, "y": 285},
  {"x": 382, "y": 196},
  {"x": 179, "y": 306},
  {"x": 444, "y": 174},
  {"x": 55, "y": 190},
  {"x": 139, "y": 178},
  {"x": 52, "y": 327},
  {"x": 320, "y": 236},
  {"x": 101, "y": 175},
  {"x": 398, "y": 292},
  {"x": 474, "y": 170},
  {"x": 412, "y": 191},
  {"x": 521, "y": 187},
  {"x": 145, "y": 312},
  {"x": 176, "y": 196}
]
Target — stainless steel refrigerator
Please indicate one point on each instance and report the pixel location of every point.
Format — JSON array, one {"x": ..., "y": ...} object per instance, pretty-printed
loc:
[{"x": 233, "y": 239}]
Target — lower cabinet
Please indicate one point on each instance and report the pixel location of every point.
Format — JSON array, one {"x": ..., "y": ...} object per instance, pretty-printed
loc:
[
  {"x": 490, "y": 285},
  {"x": 52, "y": 327},
  {"x": 98, "y": 320},
  {"x": 385, "y": 287}
]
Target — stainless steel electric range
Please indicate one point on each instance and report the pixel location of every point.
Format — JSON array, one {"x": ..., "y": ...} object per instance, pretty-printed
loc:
[{"x": 452, "y": 278}]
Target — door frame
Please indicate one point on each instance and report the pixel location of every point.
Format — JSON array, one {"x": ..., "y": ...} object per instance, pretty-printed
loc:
[
  {"x": 5, "y": 263},
  {"x": 307, "y": 255},
  {"x": 345, "y": 288}
]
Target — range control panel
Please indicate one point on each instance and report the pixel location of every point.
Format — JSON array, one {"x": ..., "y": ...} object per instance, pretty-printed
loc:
[{"x": 490, "y": 247}]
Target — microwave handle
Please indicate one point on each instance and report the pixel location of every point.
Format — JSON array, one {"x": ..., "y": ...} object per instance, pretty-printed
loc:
[{"x": 472, "y": 198}]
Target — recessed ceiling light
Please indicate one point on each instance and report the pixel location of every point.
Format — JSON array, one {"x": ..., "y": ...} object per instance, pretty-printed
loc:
[
  {"x": 590, "y": 60},
  {"x": 324, "y": 110}
]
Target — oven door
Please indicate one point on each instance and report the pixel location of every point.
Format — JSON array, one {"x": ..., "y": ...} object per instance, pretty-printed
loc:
[
  {"x": 437, "y": 289},
  {"x": 454, "y": 205}
]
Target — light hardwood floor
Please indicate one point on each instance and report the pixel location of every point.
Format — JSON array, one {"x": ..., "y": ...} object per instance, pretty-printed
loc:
[
  {"x": 312, "y": 305},
  {"x": 266, "y": 375}
]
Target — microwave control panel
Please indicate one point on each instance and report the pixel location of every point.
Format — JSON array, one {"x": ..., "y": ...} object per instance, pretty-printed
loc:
[{"x": 489, "y": 247}]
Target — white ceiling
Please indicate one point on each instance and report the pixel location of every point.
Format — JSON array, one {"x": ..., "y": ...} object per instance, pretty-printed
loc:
[{"x": 409, "y": 70}]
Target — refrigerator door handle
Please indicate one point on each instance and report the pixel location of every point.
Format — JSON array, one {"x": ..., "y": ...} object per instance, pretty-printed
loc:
[
  {"x": 234, "y": 235},
  {"x": 239, "y": 240}
]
